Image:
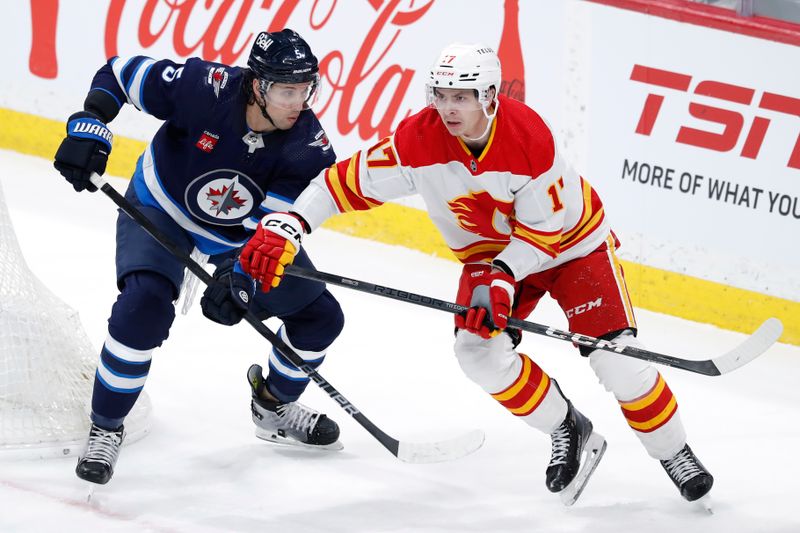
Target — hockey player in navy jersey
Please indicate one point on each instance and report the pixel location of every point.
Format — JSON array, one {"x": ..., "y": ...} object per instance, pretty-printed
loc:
[{"x": 236, "y": 144}]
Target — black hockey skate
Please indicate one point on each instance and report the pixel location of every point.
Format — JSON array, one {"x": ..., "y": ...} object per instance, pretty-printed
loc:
[
  {"x": 289, "y": 423},
  {"x": 688, "y": 474},
  {"x": 567, "y": 474},
  {"x": 96, "y": 465}
]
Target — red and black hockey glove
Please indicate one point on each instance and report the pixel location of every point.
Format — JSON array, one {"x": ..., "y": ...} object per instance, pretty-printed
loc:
[{"x": 273, "y": 246}]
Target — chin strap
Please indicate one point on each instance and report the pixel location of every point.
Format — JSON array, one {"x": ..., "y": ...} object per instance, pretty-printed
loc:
[{"x": 490, "y": 119}]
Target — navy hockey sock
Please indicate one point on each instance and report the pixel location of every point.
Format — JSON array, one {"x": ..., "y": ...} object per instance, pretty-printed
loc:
[
  {"x": 309, "y": 331},
  {"x": 140, "y": 322}
]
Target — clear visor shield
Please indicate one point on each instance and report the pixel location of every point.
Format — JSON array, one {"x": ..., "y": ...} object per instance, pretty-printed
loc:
[
  {"x": 453, "y": 99},
  {"x": 291, "y": 96}
]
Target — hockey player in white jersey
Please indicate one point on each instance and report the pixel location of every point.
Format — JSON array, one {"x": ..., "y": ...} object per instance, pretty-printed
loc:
[{"x": 523, "y": 223}]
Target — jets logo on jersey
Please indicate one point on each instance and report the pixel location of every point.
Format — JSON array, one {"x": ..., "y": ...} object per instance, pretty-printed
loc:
[
  {"x": 223, "y": 197},
  {"x": 207, "y": 141},
  {"x": 226, "y": 199},
  {"x": 321, "y": 140},
  {"x": 218, "y": 79},
  {"x": 482, "y": 214}
]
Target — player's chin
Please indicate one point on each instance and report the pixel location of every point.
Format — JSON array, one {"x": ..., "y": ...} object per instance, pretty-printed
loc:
[
  {"x": 454, "y": 128},
  {"x": 288, "y": 122}
]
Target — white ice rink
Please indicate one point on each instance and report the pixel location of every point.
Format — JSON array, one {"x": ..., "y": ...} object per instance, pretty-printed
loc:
[{"x": 202, "y": 470}]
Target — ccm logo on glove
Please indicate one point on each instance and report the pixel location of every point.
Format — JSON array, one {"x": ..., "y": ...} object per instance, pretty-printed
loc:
[{"x": 273, "y": 246}]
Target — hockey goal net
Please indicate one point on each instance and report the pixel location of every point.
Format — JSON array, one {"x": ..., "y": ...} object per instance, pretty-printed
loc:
[{"x": 47, "y": 364}]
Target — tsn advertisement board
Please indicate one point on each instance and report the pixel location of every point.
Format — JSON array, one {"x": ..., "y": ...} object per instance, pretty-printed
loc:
[
  {"x": 694, "y": 137},
  {"x": 689, "y": 133}
]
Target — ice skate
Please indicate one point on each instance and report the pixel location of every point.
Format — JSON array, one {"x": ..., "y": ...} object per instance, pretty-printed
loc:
[
  {"x": 567, "y": 474},
  {"x": 96, "y": 465},
  {"x": 689, "y": 475},
  {"x": 289, "y": 423}
]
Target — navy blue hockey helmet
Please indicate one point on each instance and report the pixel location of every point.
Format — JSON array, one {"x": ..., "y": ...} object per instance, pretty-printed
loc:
[{"x": 283, "y": 57}]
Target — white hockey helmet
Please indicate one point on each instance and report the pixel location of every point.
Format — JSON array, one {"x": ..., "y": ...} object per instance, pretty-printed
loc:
[{"x": 466, "y": 66}]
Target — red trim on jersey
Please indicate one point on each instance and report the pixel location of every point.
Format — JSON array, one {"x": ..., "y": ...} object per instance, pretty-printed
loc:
[
  {"x": 342, "y": 180},
  {"x": 592, "y": 216},
  {"x": 479, "y": 251},
  {"x": 548, "y": 242}
]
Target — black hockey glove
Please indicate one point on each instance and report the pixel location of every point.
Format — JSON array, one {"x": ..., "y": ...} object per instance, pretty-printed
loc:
[
  {"x": 84, "y": 150},
  {"x": 227, "y": 299}
]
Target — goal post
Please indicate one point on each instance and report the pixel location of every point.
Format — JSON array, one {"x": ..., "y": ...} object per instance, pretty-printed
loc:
[{"x": 47, "y": 364}]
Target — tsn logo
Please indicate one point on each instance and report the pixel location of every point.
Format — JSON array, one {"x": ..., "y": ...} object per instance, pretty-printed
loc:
[{"x": 732, "y": 121}]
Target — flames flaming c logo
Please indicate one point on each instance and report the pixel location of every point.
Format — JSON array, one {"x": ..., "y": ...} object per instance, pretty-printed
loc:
[{"x": 482, "y": 214}]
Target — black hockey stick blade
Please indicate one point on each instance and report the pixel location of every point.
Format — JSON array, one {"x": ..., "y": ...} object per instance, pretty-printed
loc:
[
  {"x": 426, "y": 452},
  {"x": 765, "y": 336}
]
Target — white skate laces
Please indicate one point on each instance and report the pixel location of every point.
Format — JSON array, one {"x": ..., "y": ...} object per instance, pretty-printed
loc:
[
  {"x": 561, "y": 440},
  {"x": 297, "y": 416},
  {"x": 682, "y": 467},
  {"x": 103, "y": 446}
]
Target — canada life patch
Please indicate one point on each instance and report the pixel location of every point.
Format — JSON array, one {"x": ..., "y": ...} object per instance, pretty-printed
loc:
[{"x": 207, "y": 141}]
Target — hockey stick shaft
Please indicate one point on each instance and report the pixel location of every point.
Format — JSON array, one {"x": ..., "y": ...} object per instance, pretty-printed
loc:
[
  {"x": 767, "y": 334},
  {"x": 388, "y": 442}
]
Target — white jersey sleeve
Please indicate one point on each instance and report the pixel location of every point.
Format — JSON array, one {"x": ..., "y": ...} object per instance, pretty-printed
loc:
[{"x": 366, "y": 180}]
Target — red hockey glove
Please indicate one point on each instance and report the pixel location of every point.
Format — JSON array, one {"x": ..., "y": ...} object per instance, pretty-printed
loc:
[
  {"x": 272, "y": 247},
  {"x": 489, "y": 294}
]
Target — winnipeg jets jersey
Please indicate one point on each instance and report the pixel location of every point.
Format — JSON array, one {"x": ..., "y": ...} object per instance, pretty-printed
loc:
[
  {"x": 204, "y": 166},
  {"x": 517, "y": 201}
]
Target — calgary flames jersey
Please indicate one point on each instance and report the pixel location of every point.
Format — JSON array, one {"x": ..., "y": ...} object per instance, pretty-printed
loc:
[{"x": 518, "y": 201}]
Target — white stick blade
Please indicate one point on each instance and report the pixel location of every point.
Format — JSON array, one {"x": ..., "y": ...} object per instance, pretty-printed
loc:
[
  {"x": 765, "y": 336},
  {"x": 437, "y": 452}
]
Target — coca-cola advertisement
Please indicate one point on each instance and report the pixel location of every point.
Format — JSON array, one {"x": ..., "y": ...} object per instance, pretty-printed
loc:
[
  {"x": 374, "y": 54},
  {"x": 643, "y": 105}
]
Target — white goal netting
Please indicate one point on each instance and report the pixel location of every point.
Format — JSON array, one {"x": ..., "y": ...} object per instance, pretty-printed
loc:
[{"x": 47, "y": 364}]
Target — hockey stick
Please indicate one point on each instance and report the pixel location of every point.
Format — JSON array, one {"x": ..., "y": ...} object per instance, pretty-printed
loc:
[
  {"x": 423, "y": 452},
  {"x": 764, "y": 337}
]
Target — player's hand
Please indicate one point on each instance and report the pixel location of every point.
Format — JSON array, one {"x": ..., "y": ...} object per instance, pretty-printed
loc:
[
  {"x": 489, "y": 293},
  {"x": 228, "y": 298},
  {"x": 273, "y": 246},
  {"x": 84, "y": 150}
]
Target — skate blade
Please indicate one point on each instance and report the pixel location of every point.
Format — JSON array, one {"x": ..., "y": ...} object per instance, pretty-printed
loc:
[
  {"x": 271, "y": 436},
  {"x": 704, "y": 504},
  {"x": 592, "y": 453}
]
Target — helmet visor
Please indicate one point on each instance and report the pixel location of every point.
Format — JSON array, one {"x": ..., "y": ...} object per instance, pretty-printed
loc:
[
  {"x": 455, "y": 99},
  {"x": 291, "y": 95}
]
